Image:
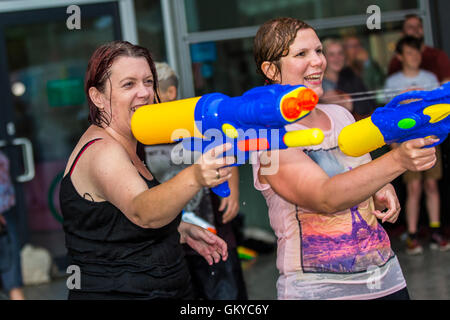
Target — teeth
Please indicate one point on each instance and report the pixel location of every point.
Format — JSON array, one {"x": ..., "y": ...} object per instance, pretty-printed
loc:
[{"x": 315, "y": 77}]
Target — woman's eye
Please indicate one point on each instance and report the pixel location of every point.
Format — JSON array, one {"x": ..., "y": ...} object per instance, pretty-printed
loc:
[
  {"x": 128, "y": 84},
  {"x": 301, "y": 54},
  {"x": 319, "y": 51},
  {"x": 149, "y": 82}
]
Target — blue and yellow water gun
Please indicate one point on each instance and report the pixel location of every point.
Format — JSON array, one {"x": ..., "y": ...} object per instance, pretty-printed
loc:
[
  {"x": 422, "y": 114},
  {"x": 252, "y": 122}
]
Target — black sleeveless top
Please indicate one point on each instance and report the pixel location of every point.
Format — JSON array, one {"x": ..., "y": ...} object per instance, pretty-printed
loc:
[{"x": 117, "y": 258}]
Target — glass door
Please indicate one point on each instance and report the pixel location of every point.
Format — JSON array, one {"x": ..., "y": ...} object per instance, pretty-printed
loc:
[{"x": 43, "y": 108}]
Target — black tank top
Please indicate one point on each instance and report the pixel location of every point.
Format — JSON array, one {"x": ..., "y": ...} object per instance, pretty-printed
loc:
[{"x": 117, "y": 258}]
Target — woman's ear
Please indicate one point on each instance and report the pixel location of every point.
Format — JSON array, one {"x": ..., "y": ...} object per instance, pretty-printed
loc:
[
  {"x": 96, "y": 97},
  {"x": 270, "y": 70}
]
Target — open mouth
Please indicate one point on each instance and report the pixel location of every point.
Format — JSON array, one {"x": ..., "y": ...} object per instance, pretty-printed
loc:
[
  {"x": 313, "y": 77},
  {"x": 136, "y": 107}
]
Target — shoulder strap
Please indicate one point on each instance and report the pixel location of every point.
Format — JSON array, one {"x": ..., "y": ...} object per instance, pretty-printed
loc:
[{"x": 80, "y": 153}]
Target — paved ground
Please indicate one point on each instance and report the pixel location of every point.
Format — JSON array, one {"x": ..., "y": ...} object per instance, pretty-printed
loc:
[{"x": 427, "y": 276}]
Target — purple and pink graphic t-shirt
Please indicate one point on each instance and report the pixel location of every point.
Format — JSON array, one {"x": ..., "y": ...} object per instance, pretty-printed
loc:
[{"x": 344, "y": 255}]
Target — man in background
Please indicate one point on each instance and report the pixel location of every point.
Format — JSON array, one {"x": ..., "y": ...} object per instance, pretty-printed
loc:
[{"x": 433, "y": 59}]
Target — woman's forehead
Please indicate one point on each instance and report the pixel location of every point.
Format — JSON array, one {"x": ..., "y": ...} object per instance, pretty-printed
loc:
[
  {"x": 130, "y": 67},
  {"x": 306, "y": 38}
]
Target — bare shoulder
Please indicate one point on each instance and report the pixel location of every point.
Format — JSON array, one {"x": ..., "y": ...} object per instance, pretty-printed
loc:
[
  {"x": 98, "y": 146},
  {"x": 107, "y": 154},
  {"x": 108, "y": 166}
]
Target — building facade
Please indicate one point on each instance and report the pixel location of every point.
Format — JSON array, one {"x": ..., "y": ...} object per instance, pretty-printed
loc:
[{"x": 45, "y": 46}]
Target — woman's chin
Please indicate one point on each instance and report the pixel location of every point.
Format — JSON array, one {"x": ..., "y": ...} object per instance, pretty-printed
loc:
[{"x": 317, "y": 89}]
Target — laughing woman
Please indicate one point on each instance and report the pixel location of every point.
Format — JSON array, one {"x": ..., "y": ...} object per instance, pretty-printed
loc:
[
  {"x": 324, "y": 205},
  {"x": 123, "y": 229}
]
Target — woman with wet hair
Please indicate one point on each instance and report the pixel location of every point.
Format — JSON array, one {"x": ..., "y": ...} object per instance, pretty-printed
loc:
[
  {"x": 123, "y": 228},
  {"x": 324, "y": 205}
]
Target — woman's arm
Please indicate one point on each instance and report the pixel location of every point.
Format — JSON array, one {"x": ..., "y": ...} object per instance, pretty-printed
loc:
[
  {"x": 116, "y": 180},
  {"x": 387, "y": 206},
  {"x": 207, "y": 244},
  {"x": 301, "y": 181}
]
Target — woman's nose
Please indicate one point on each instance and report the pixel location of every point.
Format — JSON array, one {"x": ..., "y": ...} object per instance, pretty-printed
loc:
[
  {"x": 144, "y": 91},
  {"x": 316, "y": 60}
]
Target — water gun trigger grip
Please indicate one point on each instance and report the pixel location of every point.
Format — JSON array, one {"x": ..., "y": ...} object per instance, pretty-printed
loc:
[
  {"x": 222, "y": 190},
  {"x": 199, "y": 145},
  {"x": 441, "y": 138}
]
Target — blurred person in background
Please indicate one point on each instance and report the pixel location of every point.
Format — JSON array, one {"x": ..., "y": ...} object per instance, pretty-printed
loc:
[
  {"x": 360, "y": 61},
  {"x": 342, "y": 85},
  {"x": 10, "y": 264}
]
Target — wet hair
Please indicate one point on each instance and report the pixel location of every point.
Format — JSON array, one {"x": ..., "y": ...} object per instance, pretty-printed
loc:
[
  {"x": 272, "y": 42},
  {"x": 99, "y": 71},
  {"x": 409, "y": 41}
]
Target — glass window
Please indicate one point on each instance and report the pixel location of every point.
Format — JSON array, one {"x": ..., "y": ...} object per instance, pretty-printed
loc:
[
  {"x": 228, "y": 66},
  {"x": 369, "y": 53},
  {"x": 51, "y": 109},
  {"x": 203, "y": 15},
  {"x": 224, "y": 66},
  {"x": 46, "y": 65},
  {"x": 150, "y": 27},
  {"x": 379, "y": 43}
]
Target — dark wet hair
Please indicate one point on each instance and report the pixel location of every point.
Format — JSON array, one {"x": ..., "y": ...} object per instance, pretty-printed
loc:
[{"x": 98, "y": 71}]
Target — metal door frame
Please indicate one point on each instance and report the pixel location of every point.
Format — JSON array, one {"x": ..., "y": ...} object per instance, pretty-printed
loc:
[{"x": 22, "y": 13}]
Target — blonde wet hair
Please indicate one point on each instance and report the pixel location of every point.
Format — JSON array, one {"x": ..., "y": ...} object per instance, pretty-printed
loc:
[{"x": 272, "y": 42}]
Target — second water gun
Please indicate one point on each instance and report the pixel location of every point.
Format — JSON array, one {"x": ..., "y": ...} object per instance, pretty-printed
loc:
[
  {"x": 422, "y": 114},
  {"x": 252, "y": 122},
  {"x": 192, "y": 218}
]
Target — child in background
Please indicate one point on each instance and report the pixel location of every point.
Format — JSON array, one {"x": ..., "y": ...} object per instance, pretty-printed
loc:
[{"x": 411, "y": 77}]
